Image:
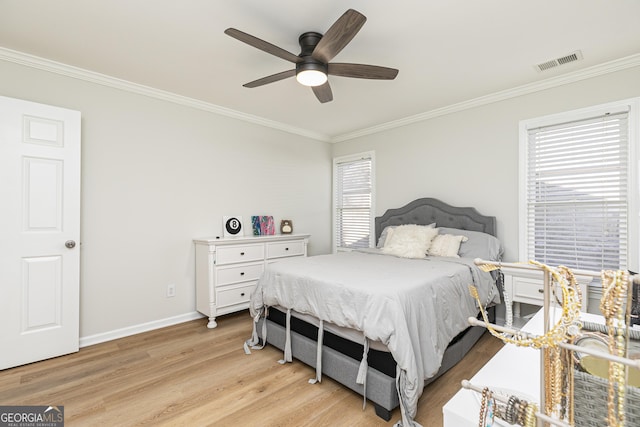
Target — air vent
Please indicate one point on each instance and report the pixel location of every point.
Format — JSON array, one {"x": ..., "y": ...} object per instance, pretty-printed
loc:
[{"x": 572, "y": 57}]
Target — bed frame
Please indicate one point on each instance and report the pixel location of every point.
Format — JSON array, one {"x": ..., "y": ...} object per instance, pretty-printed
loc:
[{"x": 381, "y": 387}]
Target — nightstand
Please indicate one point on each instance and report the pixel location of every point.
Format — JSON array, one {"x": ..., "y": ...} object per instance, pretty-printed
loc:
[
  {"x": 526, "y": 286},
  {"x": 227, "y": 270}
]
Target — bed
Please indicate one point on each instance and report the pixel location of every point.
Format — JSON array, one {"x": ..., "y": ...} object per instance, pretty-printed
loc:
[{"x": 378, "y": 321}]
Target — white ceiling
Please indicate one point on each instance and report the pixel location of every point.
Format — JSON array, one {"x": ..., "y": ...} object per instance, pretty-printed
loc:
[{"x": 448, "y": 51}]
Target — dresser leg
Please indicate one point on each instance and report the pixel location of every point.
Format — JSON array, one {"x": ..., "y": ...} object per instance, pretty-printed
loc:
[
  {"x": 212, "y": 323},
  {"x": 516, "y": 309}
]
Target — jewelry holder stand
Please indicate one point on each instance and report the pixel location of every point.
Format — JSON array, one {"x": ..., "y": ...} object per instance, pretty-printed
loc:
[{"x": 542, "y": 418}]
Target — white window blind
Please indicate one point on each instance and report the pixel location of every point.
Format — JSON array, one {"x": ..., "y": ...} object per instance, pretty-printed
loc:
[
  {"x": 353, "y": 202},
  {"x": 577, "y": 193}
]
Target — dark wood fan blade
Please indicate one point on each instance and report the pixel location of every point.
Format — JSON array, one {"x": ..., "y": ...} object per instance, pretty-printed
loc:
[
  {"x": 262, "y": 45},
  {"x": 362, "y": 71},
  {"x": 323, "y": 92},
  {"x": 339, "y": 35},
  {"x": 270, "y": 79}
]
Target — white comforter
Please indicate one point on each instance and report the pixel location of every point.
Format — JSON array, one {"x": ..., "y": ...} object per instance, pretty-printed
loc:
[{"x": 414, "y": 306}]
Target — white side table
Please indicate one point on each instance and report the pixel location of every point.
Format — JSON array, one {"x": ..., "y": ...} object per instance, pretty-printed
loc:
[{"x": 526, "y": 286}]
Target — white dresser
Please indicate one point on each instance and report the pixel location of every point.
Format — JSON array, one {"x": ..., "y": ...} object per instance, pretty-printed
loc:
[{"x": 227, "y": 269}]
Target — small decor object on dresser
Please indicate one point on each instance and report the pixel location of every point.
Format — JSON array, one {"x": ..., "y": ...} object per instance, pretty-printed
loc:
[
  {"x": 267, "y": 227},
  {"x": 232, "y": 226},
  {"x": 286, "y": 226},
  {"x": 255, "y": 223}
]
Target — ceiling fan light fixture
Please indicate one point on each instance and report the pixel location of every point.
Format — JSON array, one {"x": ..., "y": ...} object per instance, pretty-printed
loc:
[
  {"x": 311, "y": 73},
  {"x": 311, "y": 78}
]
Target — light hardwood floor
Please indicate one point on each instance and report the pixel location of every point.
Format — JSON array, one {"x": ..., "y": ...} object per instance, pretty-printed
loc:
[{"x": 188, "y": 375}]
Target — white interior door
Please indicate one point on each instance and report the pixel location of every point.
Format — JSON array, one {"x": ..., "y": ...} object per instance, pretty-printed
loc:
[{"x": 40, "y": 231}]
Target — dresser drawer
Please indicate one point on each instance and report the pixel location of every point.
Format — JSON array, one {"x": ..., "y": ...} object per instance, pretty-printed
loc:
[
  {"x": 235, "y": 295},
  {"x": 239, "y": 273},
  {"x": 240, "y": 253},
  {"x": 285, "y": 249},
  {"x": 528, "y": 290}
]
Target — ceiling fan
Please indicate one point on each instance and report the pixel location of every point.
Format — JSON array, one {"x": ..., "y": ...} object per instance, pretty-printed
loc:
[{"x": 312, "y": 64}]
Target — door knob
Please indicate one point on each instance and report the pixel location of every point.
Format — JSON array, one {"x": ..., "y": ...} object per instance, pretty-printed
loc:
[{"x": 70, "y": 244}]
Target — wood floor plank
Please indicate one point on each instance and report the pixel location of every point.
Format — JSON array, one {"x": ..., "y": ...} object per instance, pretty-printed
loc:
[{"x": 188, "y": 375}]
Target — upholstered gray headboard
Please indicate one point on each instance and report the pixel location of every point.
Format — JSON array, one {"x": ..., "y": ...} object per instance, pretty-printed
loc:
[{"x": 427, "y": 210}]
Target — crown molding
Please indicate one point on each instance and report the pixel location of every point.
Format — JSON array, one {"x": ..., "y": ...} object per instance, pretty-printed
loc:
[
  {"x": 32, "y": 61},
  {"x": 102, "y": 79},
  {"x": 587, "y": 73}
]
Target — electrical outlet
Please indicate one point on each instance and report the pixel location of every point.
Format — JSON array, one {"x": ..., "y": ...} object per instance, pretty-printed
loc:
[{"x": 171, "y": 290}]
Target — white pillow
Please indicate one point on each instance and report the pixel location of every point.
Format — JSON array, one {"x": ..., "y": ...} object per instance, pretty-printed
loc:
[
  {"x": 409, "y": 241},
  {"x": 446, "y": 245},
  {"x": 389, "y": 229}
]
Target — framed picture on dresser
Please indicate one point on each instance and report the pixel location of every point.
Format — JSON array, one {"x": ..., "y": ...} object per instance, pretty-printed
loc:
[
  {"x": 232, "y": 226},
  {"x": 263, "y": 225}
]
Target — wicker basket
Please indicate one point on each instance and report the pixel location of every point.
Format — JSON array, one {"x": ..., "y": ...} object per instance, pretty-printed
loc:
[{"x": 590, "y": 401}]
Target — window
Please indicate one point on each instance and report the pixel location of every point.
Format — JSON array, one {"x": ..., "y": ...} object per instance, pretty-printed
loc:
[
  {"x": 353, "y": 201},
  {"x": 578, "y": 190}
]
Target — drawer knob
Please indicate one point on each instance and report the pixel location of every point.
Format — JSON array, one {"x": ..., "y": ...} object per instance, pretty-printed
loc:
[
  {"x": 242, "y": 294},
  {"x": 241, "y": 253},
  {"x": 286, "y": 249},
  {"x": 541, "y": 291},
  {"x": 242, "y": 273}
]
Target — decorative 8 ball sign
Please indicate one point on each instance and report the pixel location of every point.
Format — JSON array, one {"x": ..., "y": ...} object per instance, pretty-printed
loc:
[{"x": 232, "y": 226}]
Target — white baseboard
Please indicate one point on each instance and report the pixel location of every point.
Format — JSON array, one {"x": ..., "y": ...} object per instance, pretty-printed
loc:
[{"x": 136, "y": 329}]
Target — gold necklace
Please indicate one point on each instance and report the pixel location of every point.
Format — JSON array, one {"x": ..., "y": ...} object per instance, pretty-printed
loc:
[
  {"x": 569, "y": 397},
  {"x": 482, "y": 419},
  {"x": 522, "y": 412},
  {"x": 567, "y": 325},
  {"x": 530, "y": 415},
  {"x": 614, "y": 291}
]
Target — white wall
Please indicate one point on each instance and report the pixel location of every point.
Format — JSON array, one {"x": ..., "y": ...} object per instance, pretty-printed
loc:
[
  {"x": 470, "y": 158},
  {"x": 156, "y": 174}
]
